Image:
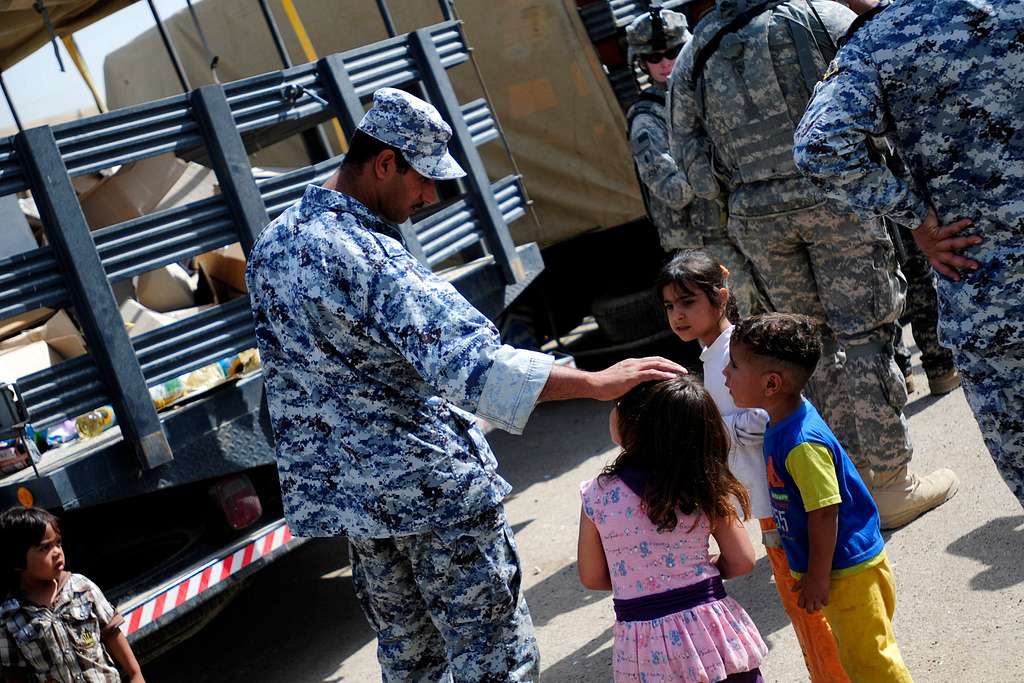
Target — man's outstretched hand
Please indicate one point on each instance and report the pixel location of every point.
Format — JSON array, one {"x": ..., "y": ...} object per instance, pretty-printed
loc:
[
  {"x": 610, "y": 383},
  {"x": 616, "y": 380},
  {"x": 940, "y": 243}
]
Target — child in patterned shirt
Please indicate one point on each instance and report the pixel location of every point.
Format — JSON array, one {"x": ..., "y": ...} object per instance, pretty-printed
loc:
[{"x": 56, "y": 626}]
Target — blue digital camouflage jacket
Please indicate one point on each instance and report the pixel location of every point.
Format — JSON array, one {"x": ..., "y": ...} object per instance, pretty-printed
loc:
[
  {"x": 944, "y": 79},
  {"x": 373, "y": 367}
]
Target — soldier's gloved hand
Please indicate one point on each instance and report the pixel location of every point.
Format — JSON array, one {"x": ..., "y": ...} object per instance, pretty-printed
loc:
[
  {"x": 613, "y": 382},
  {"x": 941, "y": 246}
]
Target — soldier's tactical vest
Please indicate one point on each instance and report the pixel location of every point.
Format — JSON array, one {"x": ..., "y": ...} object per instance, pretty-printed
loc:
[
  {"x": 652, "y": 103},
  {"x": 761, "y": 147},
  {"x": 702, "y": 217}
]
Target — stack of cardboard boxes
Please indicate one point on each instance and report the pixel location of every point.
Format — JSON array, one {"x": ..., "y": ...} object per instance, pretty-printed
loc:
[{"x": 39, "y": 339}]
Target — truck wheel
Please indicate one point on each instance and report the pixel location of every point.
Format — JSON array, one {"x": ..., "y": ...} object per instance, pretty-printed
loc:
[{"x": 629, "y": 317}]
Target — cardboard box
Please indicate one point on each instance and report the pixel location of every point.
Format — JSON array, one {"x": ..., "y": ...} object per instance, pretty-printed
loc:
[
  {"x": 16, "y": 324},
  {"x": 59, "y": 333},
  {"x": 166, "y": 289},
  {"x": 223, "y": 270},
  {"x": 183, "y": 313},
  {"x": 144, "y": 186},
  {"x": 27, "y": 359},
  {"x": 139, "y": 319}
]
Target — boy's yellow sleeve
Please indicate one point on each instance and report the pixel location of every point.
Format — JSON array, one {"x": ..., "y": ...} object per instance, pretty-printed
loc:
[{"x": 814, "y": 471}]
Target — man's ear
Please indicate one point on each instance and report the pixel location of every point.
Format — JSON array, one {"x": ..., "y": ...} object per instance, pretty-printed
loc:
[
  {"x": 384, "y": 164},
  {"x": 772, "y": 383}
]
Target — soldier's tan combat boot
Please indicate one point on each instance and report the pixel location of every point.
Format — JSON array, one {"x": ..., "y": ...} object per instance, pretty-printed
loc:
[
  {"x": 944, "y": 383},
  {"x": 902, "y": 497}
]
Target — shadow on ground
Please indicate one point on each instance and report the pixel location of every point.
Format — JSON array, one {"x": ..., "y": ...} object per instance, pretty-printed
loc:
[{"x": 996, "y": 544}]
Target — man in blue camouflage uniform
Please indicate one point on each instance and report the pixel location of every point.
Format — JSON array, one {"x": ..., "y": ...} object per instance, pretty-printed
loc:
[
  {"x": 374, "y": 368},
  {"x": 683, "y": 220},
  {"x": 738, "y": 91},
  {"x": 922, "y": 307},
  {"x": 944, "y": 79}
]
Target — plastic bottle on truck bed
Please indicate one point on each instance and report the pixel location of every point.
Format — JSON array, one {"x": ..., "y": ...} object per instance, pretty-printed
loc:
[{"x": 95, "y": 422}]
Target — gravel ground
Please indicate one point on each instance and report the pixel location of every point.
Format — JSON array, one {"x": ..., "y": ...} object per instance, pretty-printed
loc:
[{"x": 959, "y": 573}]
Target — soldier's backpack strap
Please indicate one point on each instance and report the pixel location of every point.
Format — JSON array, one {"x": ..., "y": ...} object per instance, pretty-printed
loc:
[
  {"x": 810, "y": 37},
  {"x": 645, "y": 104},
  {"x": 700, "y": 60}
]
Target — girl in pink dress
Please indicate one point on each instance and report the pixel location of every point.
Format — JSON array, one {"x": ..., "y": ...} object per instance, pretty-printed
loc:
[{"x": 644, "y": 534}]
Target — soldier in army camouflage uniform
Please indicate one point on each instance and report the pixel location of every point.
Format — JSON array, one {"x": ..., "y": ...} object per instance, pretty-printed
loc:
[
  {"x": 738, "y": 90},
  {"x": 373, "y": 369},
  {"x": 944, "y": 79},
  {"x": 683, "y": 221}
]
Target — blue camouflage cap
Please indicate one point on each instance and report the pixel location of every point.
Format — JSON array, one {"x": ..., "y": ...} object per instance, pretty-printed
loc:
[{"x": 416, "y": 128}]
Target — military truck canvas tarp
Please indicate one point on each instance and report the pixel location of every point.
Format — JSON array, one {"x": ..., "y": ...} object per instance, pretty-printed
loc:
[{"x": 562, "y": 120}]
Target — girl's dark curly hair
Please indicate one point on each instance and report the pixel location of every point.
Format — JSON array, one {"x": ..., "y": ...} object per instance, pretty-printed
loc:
[{"x": 673, "y": 433}]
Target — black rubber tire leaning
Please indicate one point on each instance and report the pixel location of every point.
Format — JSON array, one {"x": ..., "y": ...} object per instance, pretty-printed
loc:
[{"x": 628, "y": 317}]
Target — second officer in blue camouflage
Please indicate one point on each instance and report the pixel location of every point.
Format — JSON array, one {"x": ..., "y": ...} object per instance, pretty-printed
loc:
[
  {"x": 944, "y": 79},
  {"x": 374, "y": 368}
]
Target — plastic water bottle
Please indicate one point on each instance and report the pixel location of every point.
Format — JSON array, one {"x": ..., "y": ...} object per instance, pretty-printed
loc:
[
  {"x": 60, "y": 434},
  {"x": 95, "y": 422},
  {"x": 166, "y": 393},
  {"x": 203, "y": 378}
]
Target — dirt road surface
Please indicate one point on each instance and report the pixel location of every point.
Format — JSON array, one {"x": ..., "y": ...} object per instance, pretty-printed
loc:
[{"x": 959, "y": 573}]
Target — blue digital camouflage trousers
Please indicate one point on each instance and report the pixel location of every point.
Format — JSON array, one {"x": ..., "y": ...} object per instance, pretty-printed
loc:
[
  {"x": 993, "y": 381},
  {"x": 447, "y": 605}
]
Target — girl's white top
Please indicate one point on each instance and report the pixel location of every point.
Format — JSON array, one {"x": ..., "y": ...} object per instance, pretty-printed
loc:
[{"x": 745, "y": 427}]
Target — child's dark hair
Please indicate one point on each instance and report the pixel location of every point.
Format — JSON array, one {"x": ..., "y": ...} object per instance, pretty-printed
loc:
[
  {"x": 20, "y": 529},
  {"x": 628, "y": 409},
  {"x": 697, "y": 271},
  {"x": 672, "y": 431},
  {"x": 789, "y": 338}
]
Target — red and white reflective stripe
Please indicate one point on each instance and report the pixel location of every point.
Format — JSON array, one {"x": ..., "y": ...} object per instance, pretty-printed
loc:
[{"x": 191, "y": 586}]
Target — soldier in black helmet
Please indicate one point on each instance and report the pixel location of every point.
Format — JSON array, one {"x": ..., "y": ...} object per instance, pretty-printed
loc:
[{"x": 655, "y": 39}]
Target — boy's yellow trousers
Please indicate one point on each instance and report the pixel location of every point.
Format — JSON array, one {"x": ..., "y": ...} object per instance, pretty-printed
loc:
[{"x": 860, "y": 609}]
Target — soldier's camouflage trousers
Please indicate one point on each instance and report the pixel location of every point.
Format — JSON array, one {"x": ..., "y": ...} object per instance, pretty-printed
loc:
[
  {"x": 447, "y": 605},
  {"x": 824, "y": 263},
  {"x": 993, "y": 381},
  {"x": 922, "y": 308}
]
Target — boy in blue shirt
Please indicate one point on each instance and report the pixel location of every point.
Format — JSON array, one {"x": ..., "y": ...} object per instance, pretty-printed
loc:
[{"x": 825, "y": 515}]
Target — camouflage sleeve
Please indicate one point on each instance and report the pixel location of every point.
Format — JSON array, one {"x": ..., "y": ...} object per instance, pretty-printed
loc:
[
  {"x": 453, "y": 347},
  {"x": 831, "y": 142},
  {"x": 658, "y": 171},
  {"x": 688, "y": 143}
]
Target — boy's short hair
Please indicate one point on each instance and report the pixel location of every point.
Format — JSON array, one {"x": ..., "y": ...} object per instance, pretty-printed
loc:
[
  {"x": 789, "y": 338},
  {"x": 20, "y": 529}
]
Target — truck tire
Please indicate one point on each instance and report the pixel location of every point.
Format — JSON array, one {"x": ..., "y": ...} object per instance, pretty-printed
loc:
[{"x": 629, "y": 317}]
